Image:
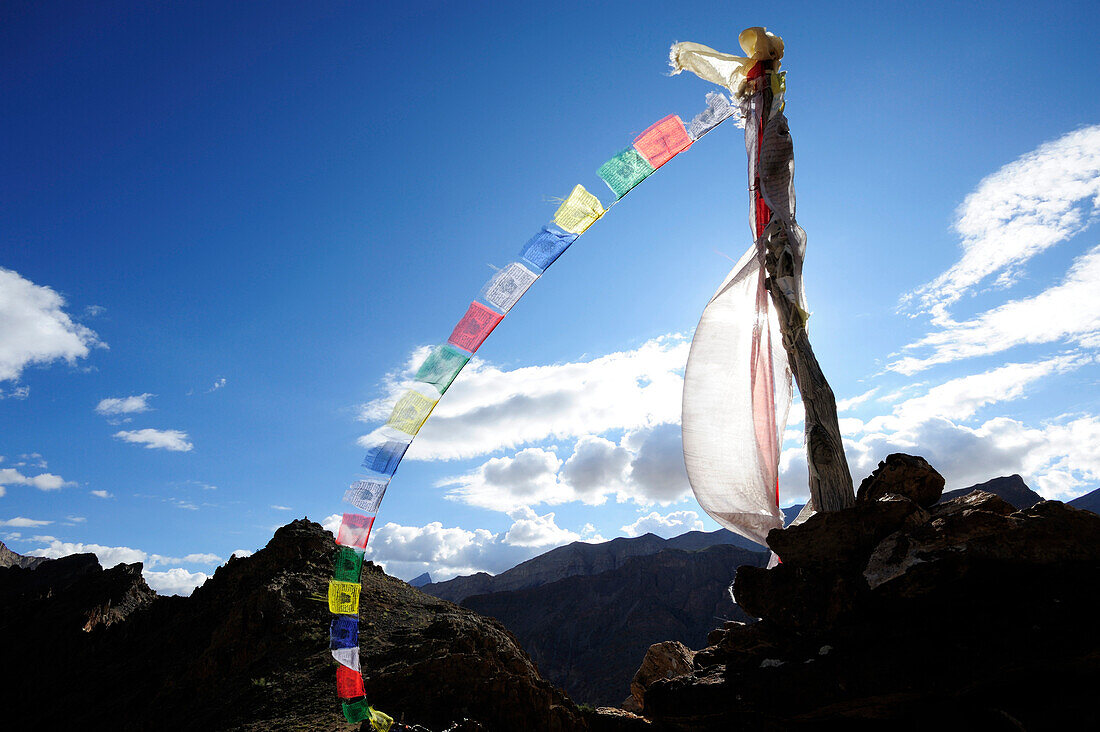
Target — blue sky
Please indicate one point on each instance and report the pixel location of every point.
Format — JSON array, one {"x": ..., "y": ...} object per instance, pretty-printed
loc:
[{"x": 227, "y": 230}]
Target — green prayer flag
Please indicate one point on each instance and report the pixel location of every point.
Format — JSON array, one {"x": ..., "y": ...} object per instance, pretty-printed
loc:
[
  {"x": 347, "y": 565},
  {"x": 624, "y": 171},
  {"x": 441, "y": 367}
]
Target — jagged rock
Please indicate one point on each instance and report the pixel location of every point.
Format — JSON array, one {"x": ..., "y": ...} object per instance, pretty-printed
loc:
[
  {"x": 8, "y": 558},
  {"x": 905, "y": 475},
  {"x": 829, "y": 538},
  {"x": 969, "y": 612},
  {"x": 664, "y": 660},
  {"x": 611, "y": 719}
]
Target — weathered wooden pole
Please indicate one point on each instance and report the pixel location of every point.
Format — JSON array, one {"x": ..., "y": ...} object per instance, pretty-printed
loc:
[{"x": 782, "y": 242}]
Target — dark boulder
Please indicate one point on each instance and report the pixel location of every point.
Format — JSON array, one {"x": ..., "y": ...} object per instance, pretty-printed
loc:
[{"x": 906, "y": 475}]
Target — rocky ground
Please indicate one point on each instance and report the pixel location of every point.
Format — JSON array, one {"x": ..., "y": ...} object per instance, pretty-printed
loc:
[{"x": 901, "y": 613}]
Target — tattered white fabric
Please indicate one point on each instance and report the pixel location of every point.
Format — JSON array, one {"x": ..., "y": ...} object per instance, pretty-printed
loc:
[
  {"x": 347, "y": 657},
  {"x": 737, "y": 391},
  {"x": 718, "y": 109},
  {"x": 723, "y": 68}
]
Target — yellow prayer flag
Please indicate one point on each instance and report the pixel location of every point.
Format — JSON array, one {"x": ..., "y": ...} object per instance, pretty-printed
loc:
[
  {"x": 343, "y": 597},
  {"x": 410, "y": 412},
  {"x": 579, "y": 211}
]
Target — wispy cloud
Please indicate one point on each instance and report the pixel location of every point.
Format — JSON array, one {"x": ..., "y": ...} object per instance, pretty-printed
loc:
[
  {"x": 20, "y": 522},
  {"x": 35, "y": 329},
  {"x": 1069, "y": 312},
  {"x": 102, "y": 494},
  {"x": 1028, "y": 206},
  {"x": 172, "y": 440},
  {"x": 118, "y": 406},
  {"x": 218, "y": 384}
]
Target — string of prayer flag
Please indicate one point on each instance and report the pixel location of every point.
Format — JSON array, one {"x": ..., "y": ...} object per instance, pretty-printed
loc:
[{"x": 387, "y": 445}]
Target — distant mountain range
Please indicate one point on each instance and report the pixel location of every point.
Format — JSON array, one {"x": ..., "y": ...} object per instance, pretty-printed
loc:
[
  {"x": 589, "y": 633},
  {"x": 1089, "y": 501},
  {"x": 579, "y": 559},
  {"x": 1011, "y": 488}
]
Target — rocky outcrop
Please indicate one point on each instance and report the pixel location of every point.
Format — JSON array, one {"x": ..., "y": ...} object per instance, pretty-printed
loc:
[
  {"x": 665, "y": 660},
  {"x": 904, "y": 475},
  {"x": 248, "y": 651},
  {"x": 588, "y": 634},
  {"x": 969, "y": 611},
  {"x": 8, "y": 558},
  {"x": 580, "y": 559},
  {"x": 1011, "y": 488}
]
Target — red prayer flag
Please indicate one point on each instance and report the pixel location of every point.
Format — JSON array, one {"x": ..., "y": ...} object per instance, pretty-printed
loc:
[
  {"x": 349, "y": 683},
  {"x": 355, "y": 530},
  {"x": 662, "y": 141},
  {"x": 474, "y": 327}
]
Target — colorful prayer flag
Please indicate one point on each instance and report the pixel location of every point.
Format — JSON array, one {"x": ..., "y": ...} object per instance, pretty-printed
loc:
[
  {"x": 663, "y": 141},
  {"x": 347, "y": 565},
  {"x": 441, "y": 367},
  {"x": 354, "y": 530},
  {"x": 366, "y": 495},
  {"x": 624, "y": 171},
  {"x": 474, "y": 327},
  {"x": 409, "y": 414},
  {"x": 579, "y": 211},
  {"x": 349, "y": 683},
  {"x": 507, "y": 286},
  {"x": 545, "y": 247},
  {"x": 343, "y": 597},
  {"x": 343, "y": 632}
]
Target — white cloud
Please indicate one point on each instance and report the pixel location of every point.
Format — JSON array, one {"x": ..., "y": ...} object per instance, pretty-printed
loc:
[
  {"x": 115, "y": 406},
  {"x": 241, "y": 553},
  {"x": 489, "y": 408},
  {"x": 157, "y": 559},
  {"x": 75, "y": 519},
  {"x": 173, "y": 440},
  {"x": 1059, "y": 460},
  {"x": 508, "y": 483},
  {"x": 532, "y": 530},
  {"x": 646, "y": 467},
  {"x": 175, "y": 581},
  {"x": 281, "y": 508},
  {"x": 218, "y": 384},
  {"x": 667, "y": 526},
  {"x": 1028, "y": 206},
  {"x": 102, "y": 494},
  {"x": 43, "y": 481},
  {"x": 24, "y": 523},
  {"x": 1069, "y": 311},
  {"x": 35, "y": 329},
  {"x": 446, "y": 552},
  {"x": 108, "y": 556}
]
